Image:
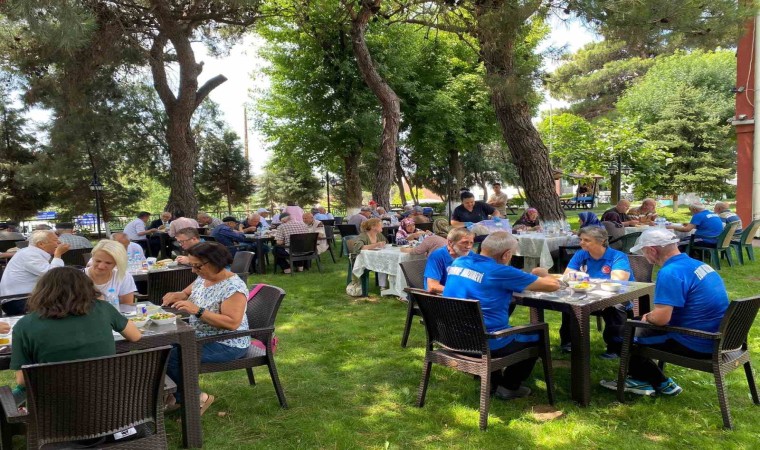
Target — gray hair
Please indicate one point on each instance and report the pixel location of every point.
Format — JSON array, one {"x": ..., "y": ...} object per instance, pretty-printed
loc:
[
  {"x": 722, "y": 206},
  {"x": 381, "y": 210},
  {"x": 498, "y": 242},
  {"x": 598, "y": 234},
  {"x": 697, "y": 206},
  {"x": 418, "y": 209},
  {"x": 365, "y": 209},
  {"x": 254, "y": 216},
  {"x": 204, "y": 215},
  {"x": 40, "y": 236}
]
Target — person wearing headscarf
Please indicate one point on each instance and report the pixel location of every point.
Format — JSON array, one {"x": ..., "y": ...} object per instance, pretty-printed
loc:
[
  {"x": 432, "y": 242},
  {"x": 408, "y": 232},
  {"x": 589, "y": 219},
  {"x": 528, "y": 221}
]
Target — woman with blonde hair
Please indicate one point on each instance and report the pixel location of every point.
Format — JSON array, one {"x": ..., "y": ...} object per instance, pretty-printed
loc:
[
  {"x": 371, "y": 237},
  {"x": 108, "y": 270}
]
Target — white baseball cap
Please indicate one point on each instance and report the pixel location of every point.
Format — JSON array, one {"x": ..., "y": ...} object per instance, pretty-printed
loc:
[
  {"x": 261, "y": 210},
  {"x": 655, "y": 237}
]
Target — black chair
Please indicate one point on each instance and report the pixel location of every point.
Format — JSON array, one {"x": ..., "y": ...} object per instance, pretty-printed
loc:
[
  {"x": 90, "y": 400},
  {"x": 74, "y": 257},
  {"x": 330, "y": 237},
  {"x": 729, "y": 351},
  {"x": 86, "y": 257},
  {"x": 330, "y": 222},
  {"x": 338, "y": 221},
  {"x": 22, "y": 244},
  {"x": 565, "y": 254},
  {"x": 390, "y": 233},
  {"x": 14, "y": 305},
  {"x": 161, "y": 282},
  {"x": 425, "y": 226},
  {"x": 7, "y": 245},
  {"x": 303, "y": 247},
  {"x": 414, "y": 272},
  {"x": 241, "y": 265},
  {"x": 261, "y": 311},
  {"x": 346, "y": 230},
  {"x": 457, "y": 338},
  {"x": 744, "y": 243},
  {"x": 209, "y": 238}
]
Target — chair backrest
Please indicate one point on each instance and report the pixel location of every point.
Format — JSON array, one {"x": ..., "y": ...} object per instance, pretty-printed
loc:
[
  {"x": 414, "y": 272},
  {"x": 262, "y": 308},
  {"x": 161, "y": 282},
  {"x": 91, "y": 398},
  {"x": 86, "y": 257},
  {"x": 724, "y": 238},
  {"x": 338, "y": 220},
  {"x": 628, "y": 241},
  {"x": 74, "y": 257},
  {"x": 241, "y": 262},
  {"x": 303, "y": 243},
  {"x": 348, "y": 229},
  {"x": 737, "y": 322},
  {"x": 327, "y": 222},
  {"x": 642, "y": 269},
  {"x": 453, "y": 323},
  {"x": 747, "y": 235},
  {"x": 209, "y": 238},
  {"x": 14, "y": 305},
  {"x": 22, "y": 244},
  {"x": 614, "y": 232},
  {"x": 5, "y": 245},
  {"x": 427, "y": 226},
  {"x": 329, "y": 232}
]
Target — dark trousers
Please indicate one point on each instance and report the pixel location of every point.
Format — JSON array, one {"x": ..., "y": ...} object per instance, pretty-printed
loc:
[
  {"x": 614, "y": 319},
  {"x": 513, "y": 375},
  {"x": 281, "y": 259},
  {"x": 645, "y": 369}
]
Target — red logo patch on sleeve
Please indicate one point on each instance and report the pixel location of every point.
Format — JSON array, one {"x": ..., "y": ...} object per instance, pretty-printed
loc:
[{"x": 606, "y": 269}]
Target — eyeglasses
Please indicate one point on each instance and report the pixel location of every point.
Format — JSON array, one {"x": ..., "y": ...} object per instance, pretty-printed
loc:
[
  {"x": 198, "y": 266},
  {"x": 180, "y": 242}
]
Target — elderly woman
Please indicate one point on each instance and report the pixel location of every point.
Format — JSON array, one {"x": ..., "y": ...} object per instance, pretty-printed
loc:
[
  {"x": 408, "y": 232},
  {"x": 528, "y": 221},
  {"x": 216, "y": 302},
  {"x": 371, "y": 237},
  {"x": 589, "y": 219},
  {"x": 599, "y": 261},
  {"x": 432, "y": 242},
  {"x": 108, "y": 270}
]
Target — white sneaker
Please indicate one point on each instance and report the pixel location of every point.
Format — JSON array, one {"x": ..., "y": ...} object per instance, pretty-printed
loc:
[{"x": 634, "y": 386}]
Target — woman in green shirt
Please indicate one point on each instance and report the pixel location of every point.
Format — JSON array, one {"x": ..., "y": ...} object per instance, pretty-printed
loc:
[{"x": 66, "y": 321}]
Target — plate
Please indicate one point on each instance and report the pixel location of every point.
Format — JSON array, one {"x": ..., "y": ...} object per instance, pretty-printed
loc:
[{"x": 584, "y": 290}]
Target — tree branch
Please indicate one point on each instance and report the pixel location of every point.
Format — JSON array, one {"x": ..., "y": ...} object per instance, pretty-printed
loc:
[
  {"x": 207, "y": 87},
  {"x": 160, "y": 82}
]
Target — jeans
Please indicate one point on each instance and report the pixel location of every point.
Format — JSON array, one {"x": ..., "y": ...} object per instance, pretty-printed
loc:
[{"x": 211, "y": 352}]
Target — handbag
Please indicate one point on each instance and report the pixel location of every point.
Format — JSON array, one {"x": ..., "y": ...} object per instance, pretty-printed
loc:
[{"x": 354, "y": 289}]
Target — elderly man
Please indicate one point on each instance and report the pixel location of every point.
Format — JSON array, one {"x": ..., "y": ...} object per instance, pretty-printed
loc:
[
  {"x": 489, "y": 279},
  {"x": 418, "y": 215},
  {"x": 287, "y": 227},
  {"x": 136, "y": 232},
  {"x": 66, "y": 236},
  {"x": 30, "y": 263},
  {"x": 689, "y": 294},
  {"x": 322, "y": 214},
  {"x": 499, "y": 199},
  {"x": 131, "y": 247},
  {"x": 471, "y": 211},
  {"x": 264, "y": 213},
  {"x": 707, "y": 224},
  {"x": 315, "y": 226},
  {"x": 162, "y": 223},
  {"x": 391, "y": 218},
  {"x": 647, "y": 211},
  {"x": 180, "y": 222},
  {"x": 226, "y": 235},
  {"x": 728, "y": 217},
  {"x": 619, "y": 215},
  {"x": 186, "y": 238},
  {"x": 459, "y": 243},
  {"x": 408, "y": 210},
  {"x": 253, "y": 223},
  {"x": 206, "y": 221},
  {"x": 364, "y": 213}
]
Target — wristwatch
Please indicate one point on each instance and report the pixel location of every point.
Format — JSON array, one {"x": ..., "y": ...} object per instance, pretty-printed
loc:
[{"x": 200, "y": 312}]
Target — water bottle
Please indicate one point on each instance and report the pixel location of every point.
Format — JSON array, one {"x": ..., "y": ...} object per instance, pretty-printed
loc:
[{"x": 112, "y": 298}]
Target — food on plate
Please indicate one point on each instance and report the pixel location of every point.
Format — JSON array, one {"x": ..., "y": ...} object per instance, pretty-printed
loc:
[
  {"x": 162, "y": 316},
  {"x": 582, "y": 285}
]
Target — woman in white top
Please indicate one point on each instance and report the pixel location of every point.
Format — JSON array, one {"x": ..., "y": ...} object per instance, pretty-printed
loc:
[{"x": 108, "y": 270}]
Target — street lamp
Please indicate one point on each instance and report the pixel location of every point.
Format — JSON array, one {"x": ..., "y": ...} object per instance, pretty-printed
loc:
[
  {"x": 96, "y": 187},
  {"x": 616, "y": 167},
  {"x": 328, "y": 180}
]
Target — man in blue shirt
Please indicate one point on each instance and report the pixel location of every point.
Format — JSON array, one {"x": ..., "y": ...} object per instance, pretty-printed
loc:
[
  {"x": 688, "y": 293},
  {"x": 460, "y": 242},
  {"x": 708, "y": 225},
  {"x": 226, "y": 235},
  {"x": 489, "y": 279}
]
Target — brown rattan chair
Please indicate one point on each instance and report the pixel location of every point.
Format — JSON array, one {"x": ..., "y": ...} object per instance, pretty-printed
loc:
[
  {"x": 303, "y": 247},
  {"x": 457, "y": 338},
  {"x": 92, "y": 399},
  {"x": 161, "y": 282},
  {"x": 414, "y": 272},
  {"x": 729, "y": 351},
  {"x": 241, "y": 265},
  {"x": 261, "y": 312},
  {"x": 74, "y": 257}
]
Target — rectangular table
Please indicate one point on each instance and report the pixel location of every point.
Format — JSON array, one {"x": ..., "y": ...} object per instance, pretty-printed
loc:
[
  {"x": 182, "y": 335},
  {"x": 385, "y": 261},
  {"x": 142, "y": 275},
  {"x": 260, "y": 256},
  {"x": 537, "y": 248},
  {"x": 679, "y": 234},
  {"x": 580, "y": 307}
]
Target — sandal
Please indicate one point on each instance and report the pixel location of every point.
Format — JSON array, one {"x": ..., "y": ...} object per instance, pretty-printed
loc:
[{"x": 205, "y": 404}]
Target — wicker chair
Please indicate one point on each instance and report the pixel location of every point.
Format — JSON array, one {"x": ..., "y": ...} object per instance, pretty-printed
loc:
[
  {"x": 625, "y": 242},
  {"x": 745, "y": 242},
  {"x": 161, "y": 282},
  {"x": 330, "y": 237},
  {"x": 241, "y": 265},
  {"x": 74, "y": 257},
  {"x": 261, "y": 312},
  {"x": 457, "y": 338},
  {"x": 722, "y": 247},
  {"x": 345, "y": 231},
  {"x": 303, "y": 247},
  {"x": 729, "y": 351},
  {"x": 414, "y": 272},
  {"x": 92, "y": 398}
]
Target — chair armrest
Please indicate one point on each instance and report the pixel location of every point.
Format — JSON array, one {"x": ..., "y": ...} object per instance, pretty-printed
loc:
[
  {"x": 254, "y": 333},
  {"x": 541, "y": 326},
  {"x": 10, "y": 410},
  {"x": 672, "y": 329}
]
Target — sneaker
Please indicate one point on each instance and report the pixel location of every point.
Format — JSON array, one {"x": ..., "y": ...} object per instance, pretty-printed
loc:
[
  {"x": 566, "y": 348},
  {"x": 632, "y": 386},
  {"x": 609, "y": 355},
  {"x": 503, "y": 393},
  {"x": 669, "y": 387}
]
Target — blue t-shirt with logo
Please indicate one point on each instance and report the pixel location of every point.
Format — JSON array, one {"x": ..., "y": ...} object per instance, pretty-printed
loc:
[
  {"x": 601, "y": 268},
  {"x": 698, "y": 297},
  {"x": 481, "y": 278},
  {"x": 436, "y": 266},
  {"x": 709, "y": 225}
]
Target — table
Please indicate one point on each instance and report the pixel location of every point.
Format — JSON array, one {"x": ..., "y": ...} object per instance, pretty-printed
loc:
[
  {"x": 182, "y": 335},
  {"x": 580, "y": 307},
  {"x": 260, "y": 256},
  {"x": 537, "y": 248},
  {"x": 142, "y": 275},
  {"x": 679, "y": 234},
  {"x": 385, "y": 261}
]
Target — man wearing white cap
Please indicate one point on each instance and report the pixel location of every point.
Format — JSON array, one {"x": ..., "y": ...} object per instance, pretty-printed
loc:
[
  {"x": 688, "y": 293},
  {"x": 264, "y": 213}
]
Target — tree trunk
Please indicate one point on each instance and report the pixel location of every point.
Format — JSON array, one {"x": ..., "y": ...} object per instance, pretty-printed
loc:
[
  {"x": 498, "y": 24},
  {"x": 400, "y": 179},
  {"x": 389, "y": 101},
  {"x": 615, "y": 188},
  {"x": 352, "y": 182}
]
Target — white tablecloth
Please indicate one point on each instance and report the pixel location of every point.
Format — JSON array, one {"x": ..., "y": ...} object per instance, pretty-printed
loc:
[
  {"x": 385, "y": 261},
  {"x": 679, "y": 234},
  {"x": 536, "y": 248}
]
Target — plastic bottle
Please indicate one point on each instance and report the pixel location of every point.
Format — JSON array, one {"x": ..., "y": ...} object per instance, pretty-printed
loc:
[{"x": 112, "y": 298}]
